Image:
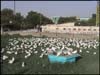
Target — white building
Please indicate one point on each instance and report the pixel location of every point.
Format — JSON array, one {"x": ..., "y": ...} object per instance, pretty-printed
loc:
[
  {"x": 84, "y": 19},
  {"x": 70, "y": 28}
]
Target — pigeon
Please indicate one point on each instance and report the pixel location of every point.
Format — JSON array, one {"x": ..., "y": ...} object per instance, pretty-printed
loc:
[
  {"x": 80, "y": 50},
  {"x": 36, "y": 52},
  {"x": 23, "y": 64},
  {"x": 94, "y": 53},
  {"x": 58, "y": 53},
  {"x": 74, "y": 51},
  {"x": 2, "y": 50},
  {"x": 5, "y": 57},
  {"x": 27, "y": 55},
  {"x": 41, "y": 55},
  {"x": 11, "y": 61},
  {"x": 9, "y": 52},
  {"x": 16, "y": 53},
  {"x": 87, "y": 51}
]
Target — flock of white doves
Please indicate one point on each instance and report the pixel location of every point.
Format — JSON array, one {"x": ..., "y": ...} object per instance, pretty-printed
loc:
[{"x": 58, "y": 46}]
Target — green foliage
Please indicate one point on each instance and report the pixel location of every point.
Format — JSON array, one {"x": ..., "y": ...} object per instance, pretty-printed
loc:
[
  {"x": 19, "y": 22},
  {"x": 33, "y": 19},
  {"x": 90, "y": 22},
  {"x": 11, "y": 20},
  {"x": 45, "y": 20},
  {"x": 6, "y": 16},
  {"x": 98, "y": 14},
  {"x": 67, "y": 19}
]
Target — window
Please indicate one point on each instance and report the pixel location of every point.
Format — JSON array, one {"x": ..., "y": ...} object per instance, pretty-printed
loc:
[
  {"x": 64, "y": 28},
  {"x": 57, "y": 28},
  {"x": 94, "y": 29},
  {"x": 74, "y": 28},
  {"x": 89, "y": 29},
  {"x": 84, "y": 29},
  {"x": 79, "y": 29},
  {"x": 69, "y": 29},
  {"x": 45, "y": 28}
]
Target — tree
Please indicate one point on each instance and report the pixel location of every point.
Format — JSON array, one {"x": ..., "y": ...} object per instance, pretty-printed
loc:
[
  {"x": 92, "y": 22},
  {"x": 45, "y": 20},
  {"x": 18, "y": 21},
  {"x": 11, "y": 20},
  {"x": 98, "y": 14},
  {"x": 6, "y": 16},
  {"x": 33, "y": 19},
  {"x": 67, "y": 19}
]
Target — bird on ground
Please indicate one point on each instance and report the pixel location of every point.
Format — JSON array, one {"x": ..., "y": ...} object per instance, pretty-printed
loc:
[
  {"x": 88, "y": 51},
  {"x": 94, "y": 53},
  {"x": 23, "y": 64},
  {"x": 11, "y": 61},
  {"x": 5, "y": 57}
]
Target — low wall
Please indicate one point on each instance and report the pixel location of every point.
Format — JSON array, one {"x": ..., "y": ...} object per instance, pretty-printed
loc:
[{"x": 72, "y": 29}]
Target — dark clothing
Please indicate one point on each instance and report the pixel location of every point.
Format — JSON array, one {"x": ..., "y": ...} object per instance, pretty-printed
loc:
[{"x": 39, "y": 29}]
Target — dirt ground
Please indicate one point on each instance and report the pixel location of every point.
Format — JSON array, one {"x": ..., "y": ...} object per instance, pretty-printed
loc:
[{"x": 63, "y": 35}]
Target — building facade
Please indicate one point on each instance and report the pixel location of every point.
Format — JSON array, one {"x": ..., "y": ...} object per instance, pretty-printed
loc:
[{"x": 71, "y": 29}]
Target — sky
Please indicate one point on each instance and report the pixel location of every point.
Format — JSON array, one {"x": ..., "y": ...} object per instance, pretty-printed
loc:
[{"x": 53, "y": 8}]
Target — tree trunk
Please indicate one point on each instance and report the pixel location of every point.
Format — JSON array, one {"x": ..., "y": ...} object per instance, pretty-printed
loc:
[{"x": 1, "y": 29}]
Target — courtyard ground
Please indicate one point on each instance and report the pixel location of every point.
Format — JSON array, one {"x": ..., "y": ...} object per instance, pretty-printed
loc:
[{"x": 88, "y": 64}]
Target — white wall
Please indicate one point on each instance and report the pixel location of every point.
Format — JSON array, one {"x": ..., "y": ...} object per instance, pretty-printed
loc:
[{"x": 70, "y": 29}]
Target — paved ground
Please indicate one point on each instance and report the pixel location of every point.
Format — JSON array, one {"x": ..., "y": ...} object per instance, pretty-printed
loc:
[{"x": 35, "y": 33}]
